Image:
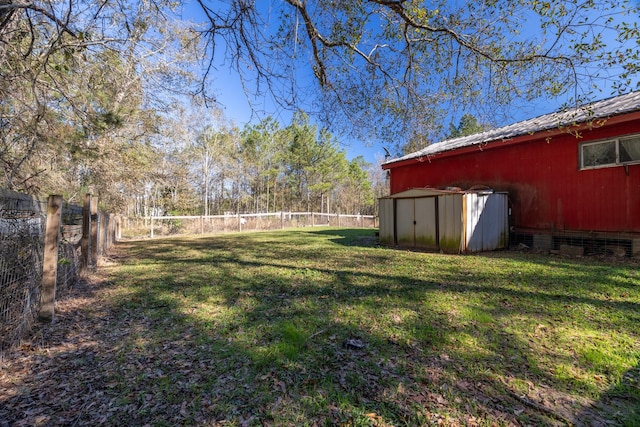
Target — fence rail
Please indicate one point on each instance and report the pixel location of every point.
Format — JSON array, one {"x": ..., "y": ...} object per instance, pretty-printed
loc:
[
  {"x": 155, "y": 226},
  {"x": 44, "y": 246}
]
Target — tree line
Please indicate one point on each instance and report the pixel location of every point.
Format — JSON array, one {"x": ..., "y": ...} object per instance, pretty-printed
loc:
[{"x": 262, "y": 167}]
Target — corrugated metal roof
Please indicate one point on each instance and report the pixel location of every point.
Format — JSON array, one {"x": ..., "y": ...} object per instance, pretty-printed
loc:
[{"x": 598, "y": 110}]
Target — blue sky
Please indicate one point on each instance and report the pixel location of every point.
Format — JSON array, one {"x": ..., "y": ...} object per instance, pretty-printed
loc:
[{"x": 236, "y": 108}]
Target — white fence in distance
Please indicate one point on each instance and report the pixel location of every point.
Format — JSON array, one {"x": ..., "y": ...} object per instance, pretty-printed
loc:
[{"x": 158, "y": 226}]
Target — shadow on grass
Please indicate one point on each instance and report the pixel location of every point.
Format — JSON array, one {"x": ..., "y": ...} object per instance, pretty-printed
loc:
[
  {"x": 350, "y": 236},
  {"x": 280, "y": 297},
  {"x": 574, "y": 282},
  {"x": 622, "y": 399},
  {"x": 283, "y": 329}
]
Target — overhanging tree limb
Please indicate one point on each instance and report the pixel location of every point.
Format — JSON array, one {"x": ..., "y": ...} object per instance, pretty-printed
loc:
[{"x": 64, "y": 25}]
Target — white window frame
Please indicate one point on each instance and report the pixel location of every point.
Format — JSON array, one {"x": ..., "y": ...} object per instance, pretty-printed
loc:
[{"x": 606, "y": 141}]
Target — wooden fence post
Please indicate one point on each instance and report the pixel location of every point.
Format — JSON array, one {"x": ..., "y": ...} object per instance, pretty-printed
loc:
[
  {"x": 85, "y": 243},
  {"x": 104, "y": 232},
  {"x": 50, "y": 261},
  {"x": 112, "y": 229},
  {"x": 93, "y": 250},
  {"x": 281, "y": 220},
  {"x": 151, "y": 226}
]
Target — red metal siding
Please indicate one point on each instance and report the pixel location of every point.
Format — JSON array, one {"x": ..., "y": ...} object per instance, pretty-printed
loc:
[{"x": 546, "y": 188}]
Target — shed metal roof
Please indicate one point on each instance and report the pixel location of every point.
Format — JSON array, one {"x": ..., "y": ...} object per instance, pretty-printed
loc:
[
  {"x": 428, "y": 192},
  {"x": 420, "y": 192},
  {"x": 597, "y": 110}
]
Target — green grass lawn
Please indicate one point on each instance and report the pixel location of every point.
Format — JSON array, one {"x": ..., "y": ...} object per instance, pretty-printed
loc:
[{"x": 322, "y": 327}]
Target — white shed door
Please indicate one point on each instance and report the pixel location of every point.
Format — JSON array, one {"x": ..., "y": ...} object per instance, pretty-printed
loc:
[
  {"x": 386, "y": 221},
  {"x": 450, "y": 223},
  {"x": 425, "y": 220},
  {"x": 404, "y": 222}
]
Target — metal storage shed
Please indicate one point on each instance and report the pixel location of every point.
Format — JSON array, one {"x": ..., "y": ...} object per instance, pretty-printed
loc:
[{"x": 444, "y": 220}]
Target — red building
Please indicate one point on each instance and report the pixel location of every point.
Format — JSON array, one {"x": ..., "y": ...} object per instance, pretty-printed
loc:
[{"x": 573, "y": 177}]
